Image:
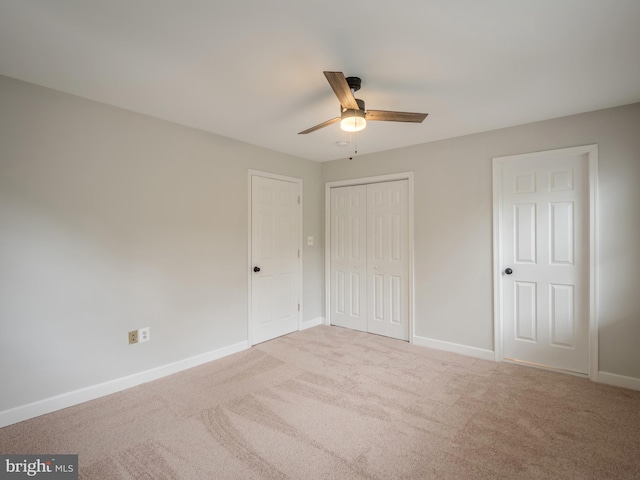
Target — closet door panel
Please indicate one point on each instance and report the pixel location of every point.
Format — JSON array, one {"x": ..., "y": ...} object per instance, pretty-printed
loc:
[
  {"x": 387, "y": 259},
  {"x": 348, "y": 257}
]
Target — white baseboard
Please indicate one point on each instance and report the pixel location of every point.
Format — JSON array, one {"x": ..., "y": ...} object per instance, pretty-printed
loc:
[
  {"x": 616, "y": 380},
  {"x": 48, "y": 405},
  {"x": 454, "y": 347},
  {"x": 312, "y": 323}
]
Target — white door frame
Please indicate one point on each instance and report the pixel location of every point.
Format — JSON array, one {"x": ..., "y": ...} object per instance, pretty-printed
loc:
[
  {"x": 298, "y": 181},
  {"x": 327, "y": 238},
  {"x": 592, "y": 155}
]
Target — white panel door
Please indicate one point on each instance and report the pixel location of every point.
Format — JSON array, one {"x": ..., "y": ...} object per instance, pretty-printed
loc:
[
  {"x": 369, "y": 260},
  {"x": 545, "y": 274},
  {"x": 349, "y": 257},
  {"x": 388, "y": 259},
  {"x": 275, "y": 262}
]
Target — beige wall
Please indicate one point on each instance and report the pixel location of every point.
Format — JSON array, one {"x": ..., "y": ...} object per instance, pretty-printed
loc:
[
  {"x": 453, "y": 225},
  {"x": 112, "y": 221}
]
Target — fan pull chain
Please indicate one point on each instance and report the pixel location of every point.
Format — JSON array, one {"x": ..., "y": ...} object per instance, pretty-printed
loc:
[{"x": 355, "y": 150}]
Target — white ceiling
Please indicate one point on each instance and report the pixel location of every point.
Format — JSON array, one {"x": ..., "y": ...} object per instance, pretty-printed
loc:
[{"x": 252, "y": 69}]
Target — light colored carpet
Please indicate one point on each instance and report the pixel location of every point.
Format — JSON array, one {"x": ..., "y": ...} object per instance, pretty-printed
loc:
[{"x": 330, "y": 403}]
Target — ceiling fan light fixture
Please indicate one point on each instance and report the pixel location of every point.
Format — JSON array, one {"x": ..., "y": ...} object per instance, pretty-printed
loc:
[
  {"x": 352, "y": 112},
  {"x": 353, "y": 120}
]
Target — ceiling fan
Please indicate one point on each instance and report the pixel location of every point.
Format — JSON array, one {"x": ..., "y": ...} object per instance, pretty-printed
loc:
[{"x": 353, "y": 116}]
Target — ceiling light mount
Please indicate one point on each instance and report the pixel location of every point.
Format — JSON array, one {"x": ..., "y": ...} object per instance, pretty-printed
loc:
[{"x": 354, "y": 83}]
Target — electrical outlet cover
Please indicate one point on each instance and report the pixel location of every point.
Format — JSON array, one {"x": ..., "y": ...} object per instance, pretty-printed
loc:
[
  {"x": 133, "y": 337},
  {"x": 144, "y": 334}
]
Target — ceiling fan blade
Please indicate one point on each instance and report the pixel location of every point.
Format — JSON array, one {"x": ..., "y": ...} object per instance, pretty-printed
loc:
[
  {"x": 341, "y": 88},
  {"x": 320, "y": 125},
  {"x": 386, "y": 116}
]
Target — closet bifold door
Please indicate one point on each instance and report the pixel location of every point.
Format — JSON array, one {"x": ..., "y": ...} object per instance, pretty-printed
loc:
[{"x": 370, "y": 258}]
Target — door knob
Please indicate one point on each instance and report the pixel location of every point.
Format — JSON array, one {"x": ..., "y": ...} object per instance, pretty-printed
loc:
[
  {"x": 256, "y": 269},
  {"x": 508, "y": 271}
]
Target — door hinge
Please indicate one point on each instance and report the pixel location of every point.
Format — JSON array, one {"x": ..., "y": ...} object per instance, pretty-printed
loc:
[
  {"x": 298, "y": 307},
  {"x": 298, "y": 199},
  {"x": 298, "y": 253}
]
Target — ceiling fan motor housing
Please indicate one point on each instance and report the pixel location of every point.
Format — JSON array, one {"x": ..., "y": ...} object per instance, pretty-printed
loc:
[{"x": 360, "y": 105}]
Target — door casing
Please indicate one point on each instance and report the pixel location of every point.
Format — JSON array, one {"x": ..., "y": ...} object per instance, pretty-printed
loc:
[
  {"x": 591, "y": 151},
  {"x": 298, "y": 181},
  {"x": 327, "y": 258}
]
